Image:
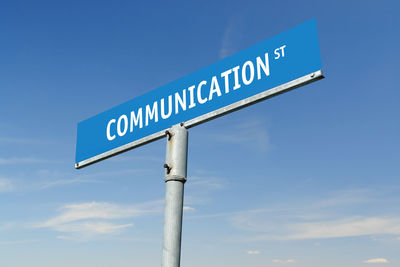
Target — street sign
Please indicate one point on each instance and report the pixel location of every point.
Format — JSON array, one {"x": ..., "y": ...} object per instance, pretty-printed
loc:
[{"x": 274, "y": 66}]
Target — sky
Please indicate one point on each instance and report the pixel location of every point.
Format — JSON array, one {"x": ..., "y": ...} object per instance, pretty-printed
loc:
[{"x": 308, "y": 178}]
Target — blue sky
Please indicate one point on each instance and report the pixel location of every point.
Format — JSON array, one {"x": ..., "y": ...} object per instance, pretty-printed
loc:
[{"x": 308, "y": 178}]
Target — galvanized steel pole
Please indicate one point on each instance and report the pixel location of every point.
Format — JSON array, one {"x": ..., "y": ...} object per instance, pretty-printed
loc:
[{"x": 175, "y": 178}]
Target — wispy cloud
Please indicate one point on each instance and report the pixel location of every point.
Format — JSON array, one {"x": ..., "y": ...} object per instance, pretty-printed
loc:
[
  {"x": 92, "y": 227},
  {"x": 252, "y": 133},
  {"x": 85, "y": 221},
  {"x": 46, "y": 179},
  {"x": 253, "y": 252},
  {"x": 346, "y": 197},
  {"x": 122, "y": 158},
  {"x": 313, "y": 220},
  {"x": 54, "y": 178},
  {"x": 6, "y": 185},
  {"x": 18, "y": 242},
  {"x": 22, "y": 141},
  {"x": 377, "y": 260},
  {"x": 114, "y": 173},
  {"x": 212, "y": 215},
  {"x": 231, "y": 215},
  {"x": 206, "y": 183},
  {"x": 347, "y": 227},
  {"x": 291, "y": 229},
  {"x": 19, "y": 184},
  {"x": 187, "y": 208},
  {"x": 60, "y": 182},
  {"x": 8, "y": 226},
  {"x": 95, "y": 210},
  {"x": 25, "y": 160},
  {"x": 232, "y": 35},
  {"x": 284, "y": 261},
  {"x": 199, "y": 189}
]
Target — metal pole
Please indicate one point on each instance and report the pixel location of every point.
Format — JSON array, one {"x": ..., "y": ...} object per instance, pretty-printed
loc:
[{"x": 175, "y": 178}]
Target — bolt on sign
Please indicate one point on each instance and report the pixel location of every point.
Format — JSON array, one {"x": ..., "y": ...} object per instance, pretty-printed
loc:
[{"x": 279, "y": 64}]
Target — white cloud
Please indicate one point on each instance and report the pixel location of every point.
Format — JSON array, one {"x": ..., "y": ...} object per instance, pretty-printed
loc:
[
  {"x": 84, "y": 221},
  {"x": 377, "y": 260},
  {"x": 284, "y": 261},
  {"x": 188, "y": 208},
  {"x": 253, "y": 252}
]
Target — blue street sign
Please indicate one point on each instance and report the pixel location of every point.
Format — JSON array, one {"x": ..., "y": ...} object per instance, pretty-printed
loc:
[{"x": 271, "y": 67}]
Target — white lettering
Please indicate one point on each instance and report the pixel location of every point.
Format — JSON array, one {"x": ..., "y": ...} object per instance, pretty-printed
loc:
[
  {"x": 125, "y": 119},
  {"x": 263, "y": 65},
  {"x": 136, "y": 119},
  {"x": 191, "y": 93},
  {"x": 283, "y": 50},
  {"x": 163, "y": 115},
  {"x": 244, "y": 78},
  {"x": 151, "y": 114},
  {"x": 235, "y": 72},
  {"x": 201, "y": 100},
  {"x": 109, "y": 136},
  {"x": 225, "y": 75},
  {"x": 214, "y": 88},
  {"x": 181, "y": 101},
  {"x": 281, "y": 54}
]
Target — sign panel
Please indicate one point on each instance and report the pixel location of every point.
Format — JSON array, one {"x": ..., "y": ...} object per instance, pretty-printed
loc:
[{"x": 274, "y": 66}]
